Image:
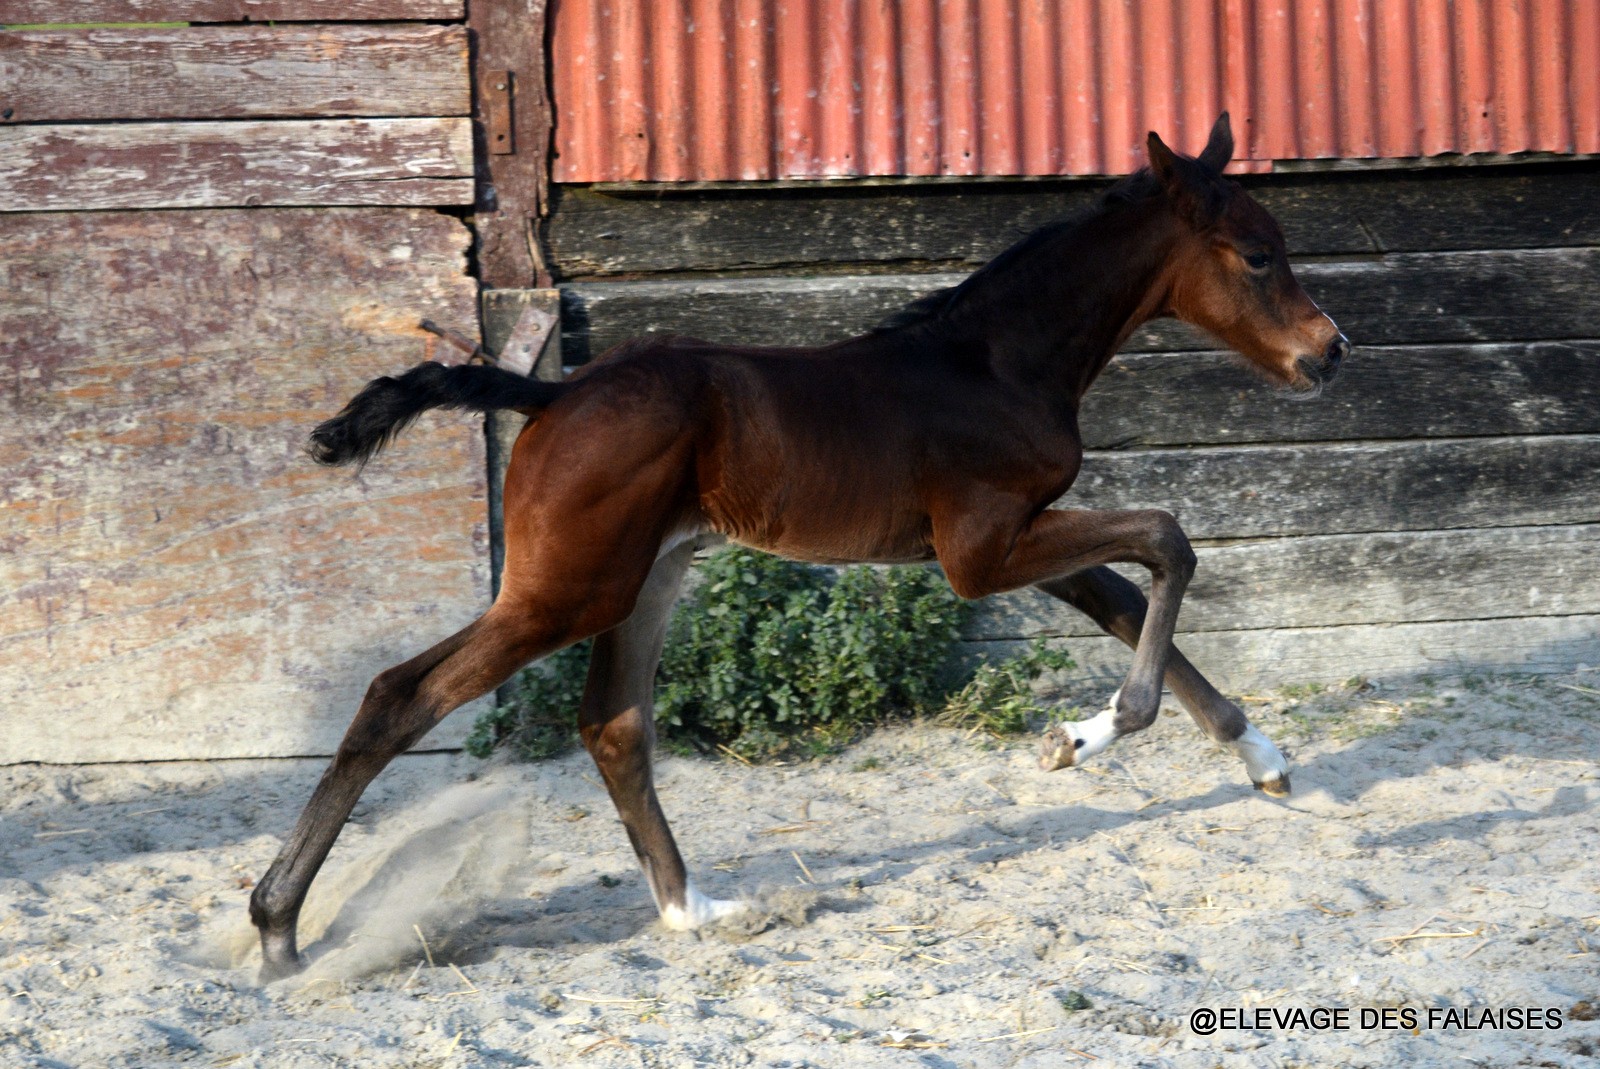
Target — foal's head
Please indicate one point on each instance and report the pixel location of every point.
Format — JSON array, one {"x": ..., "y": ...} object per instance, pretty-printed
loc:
[{"x": 1230, "y": 275}]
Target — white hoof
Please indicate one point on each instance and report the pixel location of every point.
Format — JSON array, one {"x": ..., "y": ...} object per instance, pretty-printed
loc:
[
  {"x": 1070, "y": 743},
  {"x": 698, "y": 910},
  {"x": 1268, "y": 769}
]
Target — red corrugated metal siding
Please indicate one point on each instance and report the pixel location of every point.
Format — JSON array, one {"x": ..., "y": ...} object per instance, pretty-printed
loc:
[{"x": 699, "y": 90}]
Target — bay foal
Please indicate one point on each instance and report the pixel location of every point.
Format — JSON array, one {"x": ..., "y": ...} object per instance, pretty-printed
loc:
[{"x": 945, "y": 434}]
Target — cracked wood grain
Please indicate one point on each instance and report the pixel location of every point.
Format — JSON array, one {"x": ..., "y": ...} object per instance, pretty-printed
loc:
[
  {"x": 224, "y": 164},
  {"x": 231, "y": 72},
  {"x": 18, "y": 12}
]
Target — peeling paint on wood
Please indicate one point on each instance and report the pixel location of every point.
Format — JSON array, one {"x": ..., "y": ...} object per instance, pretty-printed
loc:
[
  {"x": 223, "y": 164},
  {"x": 176, "y": 578},
  {"x": 229, "y": 72},
  {"x": 29, "y": 12}
]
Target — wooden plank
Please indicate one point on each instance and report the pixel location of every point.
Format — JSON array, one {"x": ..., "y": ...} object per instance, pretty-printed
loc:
[
  {"x": 758, "y": 311},
  {"x": 72, "y": 12},
  {"x": 1158, "y": 399},
  {"x": 1351, "y": 579},
  {"x": 227, "y": 72},
  {"x": 178, "y": 580},
  {"x": 594, "y": 232},
  {"x": 219, "y": 164},
  {"x": 1242, "y": 661},
  {"x": 1527, "y": 295},
  {"x": 1407, "y": 298},
  {"x": 1155, "y": 399},
  {"x": 509, "y": 64},
  {"x": 1259, "y": 491}
]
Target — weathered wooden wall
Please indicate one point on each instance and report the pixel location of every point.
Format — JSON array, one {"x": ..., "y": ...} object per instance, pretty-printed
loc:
[
  {"x": 177, "y": 578},
  {"x": 212, "y": 233},
  {"x": 1438, "y": 508},
  {"x": 358, "y": 114}
]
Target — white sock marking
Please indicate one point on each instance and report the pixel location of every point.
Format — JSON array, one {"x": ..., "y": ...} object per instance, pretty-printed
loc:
[
  {"x": 1094, "y": 734},
  {"x": 1261, "y": 758},
  {"x": 698, "y": 910}
]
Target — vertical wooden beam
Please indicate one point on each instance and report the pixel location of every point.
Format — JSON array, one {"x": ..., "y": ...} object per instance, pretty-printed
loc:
[
  {"x": 508, "y": 65},
  {"x": 504, "y": 312},
  {"x": 518, "y": 325}
]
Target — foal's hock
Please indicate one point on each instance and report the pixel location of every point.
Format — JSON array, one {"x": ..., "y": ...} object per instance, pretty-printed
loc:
[{"x": 945, "y": 434}]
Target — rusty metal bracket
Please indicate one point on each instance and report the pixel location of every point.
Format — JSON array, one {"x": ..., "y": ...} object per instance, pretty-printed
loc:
[
  {"x": 496, "y": 94},
  {"x": 534, "y": 329},
  {"x": 537, "y": 327},
  {"x": 476, "y": 354}
]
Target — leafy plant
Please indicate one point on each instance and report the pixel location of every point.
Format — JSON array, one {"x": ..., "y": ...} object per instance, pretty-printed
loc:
[
  {"x": 999, "y": 698},
  {"x": 767, "y": 656},
  {"x": 766, "y": 650}
]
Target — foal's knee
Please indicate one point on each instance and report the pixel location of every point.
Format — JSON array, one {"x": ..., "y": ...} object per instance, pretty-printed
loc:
[
  {"x": 1170, "y": 546},
  {"x": 625, "y": 737}
]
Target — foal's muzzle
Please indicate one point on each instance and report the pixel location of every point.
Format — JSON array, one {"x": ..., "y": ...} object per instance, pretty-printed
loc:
[
  {"x": 1334, "y": 355},
  {"x": 1320, "y": 371}
]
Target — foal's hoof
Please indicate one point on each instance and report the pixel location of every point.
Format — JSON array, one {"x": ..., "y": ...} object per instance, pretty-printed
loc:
[
  {"x": 274, "y": 969},
  {"x": 1073, "y": 742},
  {"x": 1277, "y": 787},
  {"x": 698, "y": 911},
  {"x": 1266, "y": 765},
  {"x": 280, "y": 957},
  {"x": 1058, "y": 749}
]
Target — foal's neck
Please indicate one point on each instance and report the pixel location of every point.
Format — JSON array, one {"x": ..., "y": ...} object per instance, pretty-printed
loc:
[{"x": 1056, "y": 315}]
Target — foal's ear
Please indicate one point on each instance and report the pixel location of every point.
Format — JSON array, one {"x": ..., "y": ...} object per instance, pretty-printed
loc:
[
  {"x": 1194, "y": 190},
  {"x": 1163, "y": 161},
  {"x": 1219, "y": 149}
]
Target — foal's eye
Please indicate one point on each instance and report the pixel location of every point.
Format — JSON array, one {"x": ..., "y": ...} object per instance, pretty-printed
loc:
[{"x": 1259, "y": 261}]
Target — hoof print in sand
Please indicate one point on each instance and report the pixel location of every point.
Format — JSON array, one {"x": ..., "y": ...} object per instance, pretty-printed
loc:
[{"x": 767, "y": 910}]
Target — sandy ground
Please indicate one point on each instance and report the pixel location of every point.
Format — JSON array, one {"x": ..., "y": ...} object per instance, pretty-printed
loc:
[{"x": 928, "y": 899}]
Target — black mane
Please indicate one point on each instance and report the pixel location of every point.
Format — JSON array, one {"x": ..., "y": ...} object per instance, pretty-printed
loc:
[{"x": 1136, "y": 187}]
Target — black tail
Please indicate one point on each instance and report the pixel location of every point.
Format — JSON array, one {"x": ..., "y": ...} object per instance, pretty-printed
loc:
[{"x": 383, "y": 409}]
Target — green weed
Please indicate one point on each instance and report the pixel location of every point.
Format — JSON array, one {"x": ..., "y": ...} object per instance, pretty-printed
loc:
[
  {"x": 768, "y": 657},
  {"x": 999, "y": 698}
]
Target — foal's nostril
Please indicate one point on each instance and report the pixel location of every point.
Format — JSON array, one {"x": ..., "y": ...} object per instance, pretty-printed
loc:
[{"x": 1337, "y": 350}]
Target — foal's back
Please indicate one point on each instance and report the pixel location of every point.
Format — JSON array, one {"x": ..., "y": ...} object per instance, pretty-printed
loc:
[{"x": 827, "y": 454}]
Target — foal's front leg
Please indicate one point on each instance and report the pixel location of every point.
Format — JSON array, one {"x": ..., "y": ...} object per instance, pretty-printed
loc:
[
  {"x": 1118, "y": 607},
  {"x": 617, "y": 723},
  {"x": 982, "y": 555}
]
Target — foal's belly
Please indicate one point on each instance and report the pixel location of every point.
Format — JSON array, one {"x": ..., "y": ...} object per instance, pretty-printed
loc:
[
  {"x": 839, "y": 522},
  {"x": 860, "y": 540},
  {"x": 834, "y": 549}
]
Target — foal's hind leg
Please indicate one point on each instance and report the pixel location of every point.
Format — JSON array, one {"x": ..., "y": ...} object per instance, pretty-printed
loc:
[
  {"x": 617, "y": 722},
  {"x": 401, "y": 705},
  {"x": 1118, "y": 606}
]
